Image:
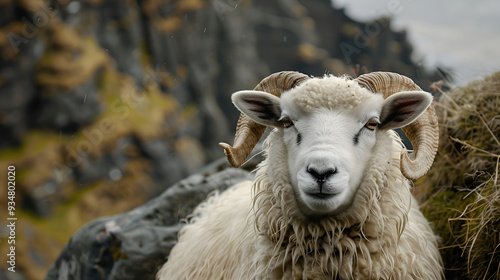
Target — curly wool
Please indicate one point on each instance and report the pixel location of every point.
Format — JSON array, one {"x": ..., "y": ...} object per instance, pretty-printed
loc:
[
  {"x": 310, "y": 95},
  {"x": 259, "y": 232}
]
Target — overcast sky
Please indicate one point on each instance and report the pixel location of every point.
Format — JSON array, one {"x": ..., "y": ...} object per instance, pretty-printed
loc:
[{"x": 463, "y": 35}]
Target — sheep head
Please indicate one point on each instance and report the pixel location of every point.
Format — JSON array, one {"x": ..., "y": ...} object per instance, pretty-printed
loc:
[{"x": 330, "y": 127}]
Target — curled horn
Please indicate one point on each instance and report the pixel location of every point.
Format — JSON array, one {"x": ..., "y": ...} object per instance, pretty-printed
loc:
[
  {"x": 248, "y": 132},
  {"x": 423, "y": 133}
]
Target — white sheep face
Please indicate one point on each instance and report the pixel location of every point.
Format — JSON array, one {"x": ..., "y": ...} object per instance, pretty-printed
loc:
[
  {"x": 327, "y": 153},
  {"x": 329, "y": 134}
]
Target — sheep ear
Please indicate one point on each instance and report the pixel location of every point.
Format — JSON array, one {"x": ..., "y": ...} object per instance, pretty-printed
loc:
[
  {"x": 402, "y": 108},
  {"x": 262, "y": 107}
]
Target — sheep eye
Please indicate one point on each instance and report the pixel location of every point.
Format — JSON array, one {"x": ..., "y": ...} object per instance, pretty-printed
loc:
[
  {"x": 286, "y": 121},
  {"x": 371, "y": 124}
]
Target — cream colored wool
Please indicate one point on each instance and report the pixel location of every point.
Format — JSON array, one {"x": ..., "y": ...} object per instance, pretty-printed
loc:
[
  {"x": 310, "y": 95},
  {"x": 257, "y": 232}
]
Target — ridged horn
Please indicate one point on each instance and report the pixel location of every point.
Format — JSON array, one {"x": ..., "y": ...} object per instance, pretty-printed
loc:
[
  {"x": 423, "y": 133},
  {"x": 248, "y": 132}
]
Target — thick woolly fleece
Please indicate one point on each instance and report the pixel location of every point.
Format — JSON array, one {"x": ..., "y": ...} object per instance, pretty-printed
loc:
[
  {"x": 257, "y": 231},
  {"x": 328, "y": 92}
]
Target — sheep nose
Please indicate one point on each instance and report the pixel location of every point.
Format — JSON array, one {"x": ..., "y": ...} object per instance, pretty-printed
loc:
[{"x": 321, "y": 175}]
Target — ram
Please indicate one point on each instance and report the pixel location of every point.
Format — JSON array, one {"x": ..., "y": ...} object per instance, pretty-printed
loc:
[{"x": 332, "y": 199}]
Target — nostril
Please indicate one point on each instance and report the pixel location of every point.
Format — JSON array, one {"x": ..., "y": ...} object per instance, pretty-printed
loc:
[
  {"x": 321, "y": 176},
  {"x": 330, "y": 172},
  {"x": 313, "y": 172}
]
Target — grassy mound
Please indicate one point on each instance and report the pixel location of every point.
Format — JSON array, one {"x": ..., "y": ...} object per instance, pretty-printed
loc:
[{"x": 461, "y": 193}]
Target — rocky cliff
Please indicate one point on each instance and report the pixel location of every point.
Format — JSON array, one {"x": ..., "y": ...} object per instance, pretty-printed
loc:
[{"x": 105, "y": 103}]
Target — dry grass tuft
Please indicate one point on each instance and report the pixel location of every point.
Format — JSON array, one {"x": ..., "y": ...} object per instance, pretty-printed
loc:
[{"x": 462, "y": 196}]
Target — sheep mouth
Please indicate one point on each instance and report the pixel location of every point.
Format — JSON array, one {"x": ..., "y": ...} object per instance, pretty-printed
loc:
[{"x": 322, "y": 195}]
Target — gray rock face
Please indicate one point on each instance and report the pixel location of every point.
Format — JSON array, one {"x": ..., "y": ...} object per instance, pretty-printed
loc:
[
  {"x": 68, "y": 111},
  {"x": 134, "y": 244}
]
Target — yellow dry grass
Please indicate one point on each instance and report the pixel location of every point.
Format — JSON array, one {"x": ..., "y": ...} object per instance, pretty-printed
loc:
[{"x": 462, "y": 190}]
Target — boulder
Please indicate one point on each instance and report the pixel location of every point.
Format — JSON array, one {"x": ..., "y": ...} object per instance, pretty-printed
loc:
[{"x": 134, "y": 244}]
